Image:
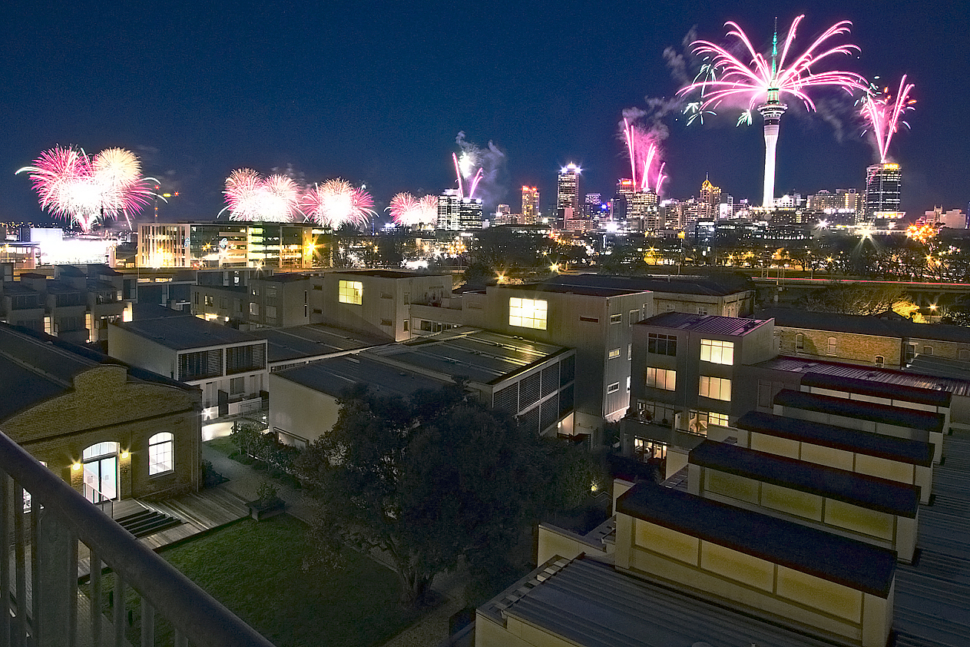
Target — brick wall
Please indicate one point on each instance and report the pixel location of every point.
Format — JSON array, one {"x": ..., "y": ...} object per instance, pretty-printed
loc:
[{"x": 849, "y": 347}]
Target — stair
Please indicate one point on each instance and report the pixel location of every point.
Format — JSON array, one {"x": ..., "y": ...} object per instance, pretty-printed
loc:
[{"x": 146, "y": 522}]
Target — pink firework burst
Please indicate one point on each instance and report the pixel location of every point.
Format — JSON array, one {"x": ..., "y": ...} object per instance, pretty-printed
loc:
[
  {"x": 642, "y": 149},
  {"x": 408, "y": 211},
  {"x": 252, "y": 198},
  {"x": 73, "y": 187},
  {"x": 337, "y": 202},
  {"x": 883, "y": 113},
  {"x": 762, "y": 80}
]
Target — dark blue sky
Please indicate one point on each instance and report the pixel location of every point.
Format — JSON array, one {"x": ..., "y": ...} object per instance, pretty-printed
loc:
[{"x": 376, "y": 92}]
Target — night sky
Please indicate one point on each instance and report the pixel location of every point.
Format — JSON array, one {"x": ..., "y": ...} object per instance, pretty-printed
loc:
[{"x": 376, "y": 92}]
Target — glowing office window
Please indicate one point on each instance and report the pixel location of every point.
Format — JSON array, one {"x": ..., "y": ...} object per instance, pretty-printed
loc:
[
  {"x": 716, "y": 388},
  {"x": 160, "y": 457},
  {"x": 661, "y": 378},
  {"x": 528, "y": 313},
  {"x": 351, "y": 292},
  {"x": 717, "y": 352}
]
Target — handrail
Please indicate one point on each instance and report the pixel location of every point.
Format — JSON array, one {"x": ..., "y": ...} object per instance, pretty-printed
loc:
[{"x": 195, "y": 613}]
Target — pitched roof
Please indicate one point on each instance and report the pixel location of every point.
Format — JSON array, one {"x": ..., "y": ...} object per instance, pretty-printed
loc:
[{"x": 864, "y": 325}]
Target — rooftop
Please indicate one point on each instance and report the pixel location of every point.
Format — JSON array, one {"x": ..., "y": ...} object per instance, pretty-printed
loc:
[
  {"x": 910, "y": 378},
  {"x": 809, "y": 550},
  {"x": 336, "y": 375},
  {"x": 387, "y": 274},
  {"x": 858, "y": 489},
  {"x": 932, "y": 397},
  {"x": 881, "y": 413},
  {"x": 711, "y": 324},
  {"x": 864, "y": 325},
  {"x": 185, "y": 333},
  {"x": 313, "y": 340},
  {"x": 584, "y": 290},
  {"x": 481, "y": 356},
  {"x": 851, "y": 440}
]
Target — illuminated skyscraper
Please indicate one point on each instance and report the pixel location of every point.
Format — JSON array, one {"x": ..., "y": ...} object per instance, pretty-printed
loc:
[
  {"x": 882, "y": 191},
  {"x": 622, "y": 199},
  {"x": 567, "y": 204},
  {"x": 530, "y": 204},
  {"x": 449, "y": 210},
  {"x": 710, "y": 198}
]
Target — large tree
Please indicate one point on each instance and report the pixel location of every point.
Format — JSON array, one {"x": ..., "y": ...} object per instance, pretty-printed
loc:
[{"x": 429, "y": 482}]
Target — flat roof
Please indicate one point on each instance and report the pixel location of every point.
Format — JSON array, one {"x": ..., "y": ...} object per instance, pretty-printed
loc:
[
  {"x": 933, "y": 397},
  {"x": 185, "y": 333},
  {"x": 891, "y": 448},
  {"x": 389, "y": 274},
  {"x": 334, "y": 376},
  {"x": 838, "y": 559},
  {"x": 911, "y": 377},
  {"x": 580, "y": 289},
  {"x": 858, "y": 489},
  {"x": 592, "y": 604},
  {"x": 880, "y": 413},
  {"x": 711, "y": 324},
  {"x": 313, "y": 340},
  {"x": 481, "y": 356}
]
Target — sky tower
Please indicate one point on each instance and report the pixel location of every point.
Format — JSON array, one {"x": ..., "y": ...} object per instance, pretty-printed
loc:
[{"x": 771, "y": 111}]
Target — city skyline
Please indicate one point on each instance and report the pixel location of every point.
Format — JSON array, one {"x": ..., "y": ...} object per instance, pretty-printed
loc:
[{"x": 377, "y": 96}]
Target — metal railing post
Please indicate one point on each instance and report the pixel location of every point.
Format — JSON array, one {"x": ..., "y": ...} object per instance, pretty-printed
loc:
[
  {"x": 58, "y": 583},
  {"x": 5, "y": 551}
]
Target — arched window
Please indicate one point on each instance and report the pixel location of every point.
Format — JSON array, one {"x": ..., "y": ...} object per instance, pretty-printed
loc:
[
  {"x": 160, "y": 456},
  {"x": 99, "y": 449}
]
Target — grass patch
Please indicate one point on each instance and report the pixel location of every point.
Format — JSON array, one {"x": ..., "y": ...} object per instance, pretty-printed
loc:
[
  {"x": 255, "y": 569},
  {"x": 223, "y": 445}
]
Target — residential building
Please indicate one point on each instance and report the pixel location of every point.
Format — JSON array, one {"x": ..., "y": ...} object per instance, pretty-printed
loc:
[
  {"x": 259, "y": 299},
  {"x": 226, "y": 244},
  {"x": 112, "y": 431},
  {"x": 532, "y": 381},
  {"x": 227, "y": 364},
  {"x": 76, "y": 304},
  {"x": 685, "y": 374},
  {"x": 530, "y": 205},
  {"x": 376, "y": 303}
]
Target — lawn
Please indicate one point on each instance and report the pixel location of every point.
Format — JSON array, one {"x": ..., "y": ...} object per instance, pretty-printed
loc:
[{"x": 255, "y": 569}]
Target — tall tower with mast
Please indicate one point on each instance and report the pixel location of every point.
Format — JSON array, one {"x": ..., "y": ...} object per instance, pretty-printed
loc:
[{"x": 771, "y": 111}]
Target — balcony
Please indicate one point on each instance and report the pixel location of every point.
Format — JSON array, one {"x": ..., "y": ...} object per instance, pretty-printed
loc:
[{"x": 40, "y": 571}]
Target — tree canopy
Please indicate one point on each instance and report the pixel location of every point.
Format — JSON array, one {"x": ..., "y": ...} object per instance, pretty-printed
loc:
[{"x": 431, "y": 481}]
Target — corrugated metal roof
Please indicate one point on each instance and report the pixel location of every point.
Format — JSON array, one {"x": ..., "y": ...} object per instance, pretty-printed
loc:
[
  {"x": 864, "y": 325},
  {"x": 889, "y": 376},
  {"x": 591, "y": 604},
  {"x": 711, "y": 324},
  {"x": 184, "y": 333}
]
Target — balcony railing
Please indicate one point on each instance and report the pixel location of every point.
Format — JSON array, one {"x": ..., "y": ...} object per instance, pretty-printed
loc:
[{"x": 41, "y": 548}]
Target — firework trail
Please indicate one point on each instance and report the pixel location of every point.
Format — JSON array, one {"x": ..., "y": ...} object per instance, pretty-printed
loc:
[
  {"x": 81, "y": 190},
  {"x": 252, "y": 198},
  {"x": 642, "y": 150},
  {"x": 883, "y": 113},
  {"x": 762, "y": 86},
  {"x": 337, "y": 202},
  {"x": 477, "y": 170},
  {"x": 408, "y": 211}
]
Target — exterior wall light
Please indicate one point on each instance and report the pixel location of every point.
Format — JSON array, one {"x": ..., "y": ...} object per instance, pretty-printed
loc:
[
  {"x": 76, "y": 466},
  {"x": 125, "y": 454}
]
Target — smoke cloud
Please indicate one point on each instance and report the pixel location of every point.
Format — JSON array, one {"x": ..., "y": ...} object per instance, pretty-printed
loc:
[{"x": 492, "y": 160}]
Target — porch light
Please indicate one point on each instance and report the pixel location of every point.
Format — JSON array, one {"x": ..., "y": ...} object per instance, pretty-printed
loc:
[{"x": 76, "y": 466}]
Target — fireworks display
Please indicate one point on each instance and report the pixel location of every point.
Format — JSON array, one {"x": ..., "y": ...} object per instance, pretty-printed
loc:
[
  {"x": 250, "y": 197},
  {"x": 642, "y": 150},
  {"x": 83, "y": 191},
  {"x": 337, "y": 202},
  {"x": 763, "y": 80},
  {"x": 408, "y": 211},
  {"x": 883, "y": 114}
]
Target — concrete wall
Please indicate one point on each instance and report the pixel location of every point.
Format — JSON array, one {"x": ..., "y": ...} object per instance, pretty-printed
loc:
[{"x": 300, "y": 411}]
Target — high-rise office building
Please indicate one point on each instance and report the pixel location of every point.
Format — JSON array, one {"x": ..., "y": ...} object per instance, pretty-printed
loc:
[
  {"x": 622, "y": 198},
  {"x": 591, "y": 205},
  {"x": 530, "y": 204},
  {"x": 470, "y": 213},
  {"x": 882, "y": 191},
  {"x": 449, "y": 210},
  {"x": 567, "y": 204},
  {"x": 708, "y": 200}
]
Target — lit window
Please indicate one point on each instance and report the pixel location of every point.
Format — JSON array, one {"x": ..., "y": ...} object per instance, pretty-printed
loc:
[
  {"x": 717, "y": 352},
  {"x": 717, "y": 418},
  {"x": 528, "y": 313},
  {"x": 350, "y": 292},
  {"x": 160, "y": 457},
  {"x": 661, "y": 378},
  {"x": 614, "y": 353},
  {"x": 254, "y": 309},
  {"x": 716, "y": 388},
  {"x": 613, "y": 388},
  {"x": 616, "y": 319}
]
